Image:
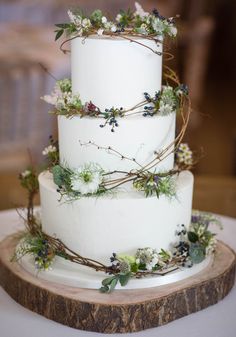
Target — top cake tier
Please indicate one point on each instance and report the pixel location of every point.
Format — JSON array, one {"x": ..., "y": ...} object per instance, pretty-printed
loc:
[{"x": 115, "y": 72}]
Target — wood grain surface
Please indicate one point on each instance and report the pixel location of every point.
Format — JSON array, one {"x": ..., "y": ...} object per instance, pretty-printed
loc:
[{"x": 123, "y": 310}]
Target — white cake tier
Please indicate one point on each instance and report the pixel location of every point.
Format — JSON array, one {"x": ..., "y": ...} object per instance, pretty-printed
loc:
[
  {"x": 114, "y": 72},
  {"x": 136, "y": 137},
  {"x": 97, "y": 227}
]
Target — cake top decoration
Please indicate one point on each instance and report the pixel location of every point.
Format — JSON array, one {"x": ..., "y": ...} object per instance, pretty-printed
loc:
[{"x": 134, "y": 23}]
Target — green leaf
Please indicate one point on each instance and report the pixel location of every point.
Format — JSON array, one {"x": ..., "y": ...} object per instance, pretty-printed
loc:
[
  {"x": 134, "y": 267},
  {"x": 58, "y": 175},
  {"x": 193, "y": 237},
  {"x": 62, "y": 25},
  {"x": 104, "y": 289},
  {"x": 59, "y": 34},
  {"x": 196, "y": 253},
  {"x": 107, "y": 281},
  {"x": 124, "y": 279},
  {"x": 113, "y": 284}
]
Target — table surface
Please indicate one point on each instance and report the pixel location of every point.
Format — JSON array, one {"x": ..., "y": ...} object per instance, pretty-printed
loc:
[{"x": 218, "y": 320}]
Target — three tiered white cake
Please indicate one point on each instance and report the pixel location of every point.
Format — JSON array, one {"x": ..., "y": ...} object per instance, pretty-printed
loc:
[
  {"x": 117, "y": 196},
  {"x": 115, "y": 72}
]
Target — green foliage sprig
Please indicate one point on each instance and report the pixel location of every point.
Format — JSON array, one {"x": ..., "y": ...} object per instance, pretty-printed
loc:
[
  {"x": 128, "y": 23},
  {"x": 163, "y": 103}
]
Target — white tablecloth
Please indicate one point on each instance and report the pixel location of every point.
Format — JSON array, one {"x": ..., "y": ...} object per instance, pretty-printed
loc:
[{"x": 215, "y": 321}]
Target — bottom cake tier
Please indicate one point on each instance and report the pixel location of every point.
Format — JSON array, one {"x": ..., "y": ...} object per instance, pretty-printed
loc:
[{"x": 96, "y": 227}]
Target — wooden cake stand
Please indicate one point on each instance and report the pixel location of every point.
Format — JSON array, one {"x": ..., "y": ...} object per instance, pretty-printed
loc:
[{"x": 123, "y": 310}]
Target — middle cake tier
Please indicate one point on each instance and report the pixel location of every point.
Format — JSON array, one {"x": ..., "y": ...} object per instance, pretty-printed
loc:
[{"x": 82, "y": 140}]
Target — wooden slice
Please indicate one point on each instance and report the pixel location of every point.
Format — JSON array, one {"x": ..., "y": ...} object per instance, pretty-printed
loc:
[{"x": 122, "y": 310}]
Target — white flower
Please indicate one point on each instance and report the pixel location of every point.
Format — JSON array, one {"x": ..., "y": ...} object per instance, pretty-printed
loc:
[
  {"x": 165, "y": 109},
  {"x": 86, "y": 23},
  {"x": 100, "y": 31},
  {"x": 76, "y": 19},
  {"x": 147, "y": 256},
  {"x": 55, "y": 95},
  {"x": 158, "y": 25},
  {"x": 118, "y": 17},
  {"x": 140, "y": 11},
  {"x": 49, "y": 149},
  {"x": 167, "y": 90},
  {"x": 26, "y": 173},
  {"x": 108, "y": 25},
  {"x": 86, "y": 179},
  {"x": 113, "y": 28},
  {"x": 143, "y": 29},
  {"x": 152, "y": 263},
  {"x": 104, "y": 19},
  {"x": 51, "y": 99},
  {"x": 211, "y": 246},
  {"x": 184, "y": 154},
  {"x": 173, "y": 31}
]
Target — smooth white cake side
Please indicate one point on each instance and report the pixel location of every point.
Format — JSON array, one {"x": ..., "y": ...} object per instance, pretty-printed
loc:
[
  {"x": 136, "y": 137},
  {"x": 97, "y": 227},
  {"x": 114, "y": 72}
]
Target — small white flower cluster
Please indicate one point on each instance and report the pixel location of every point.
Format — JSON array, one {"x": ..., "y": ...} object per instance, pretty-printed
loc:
[
  {"x": 62, "y": 99},
  {"x": 25, "y": 174},
  {"x": 159, "y": 25},
  {"x": 140, "y": 11},
  {"x": 168, "y": 101},
  {"x": 49, "y": 149},
  {"x": 82, "y": 25},
  {"x": 87, "y": 178},
  {"x": 184, "y": 155},
  {"x": 147, "y": 256},
  {"x": 107, "y": 25},
  {"x": 21, "y": 249},
  {"x": 211, "y": 246},
  {"x": 41, "y": 265}
]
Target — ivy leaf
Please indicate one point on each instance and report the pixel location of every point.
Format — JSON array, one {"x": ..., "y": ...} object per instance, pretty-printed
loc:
[
  {"x": 58, "y": 34},
  {"x": 104, "y": 289},
  {"x": 58, "y": 175},
  {"x": 196, "y": 253},
  {"x": 124, "y": 279},
  {"x": 109, "y": 284},
  {"x": 62, "y": 25},
  {"x": 193, "y": 237},
  {"x": 107, "y": 281},
  {"x": 113, "y": 284}
]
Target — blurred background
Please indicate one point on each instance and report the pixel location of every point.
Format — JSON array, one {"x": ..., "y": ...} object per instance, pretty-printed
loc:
[{"x": 205, "y": 60}]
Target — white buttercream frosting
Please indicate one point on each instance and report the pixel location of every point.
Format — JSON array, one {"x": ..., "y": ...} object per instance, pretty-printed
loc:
[
  {"x": 98, "y": 226},
  {"x": 114, "y": 72}
]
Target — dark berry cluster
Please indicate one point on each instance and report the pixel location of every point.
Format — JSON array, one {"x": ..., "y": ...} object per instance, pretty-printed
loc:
[
  {"x": 43, "y": 255},
  {"x": 113, "y": 257},
  {"x": 150, "y": 110},
  {"x": 157, "y": 14},
  {"x": 120, "y": 28},
  {"x": 184, "y": 89},
  {"x": 111, "y": 117}
]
